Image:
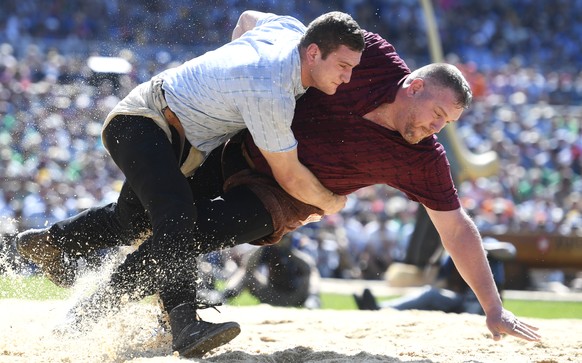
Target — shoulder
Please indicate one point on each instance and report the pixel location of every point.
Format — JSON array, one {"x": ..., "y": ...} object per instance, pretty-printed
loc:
[
  {"x": 380, "y": 54},
  {"x": 431, "y": 154}
]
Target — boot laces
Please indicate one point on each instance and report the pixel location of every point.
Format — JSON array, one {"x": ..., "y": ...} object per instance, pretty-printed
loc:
[{"x": 200, "y": 305}]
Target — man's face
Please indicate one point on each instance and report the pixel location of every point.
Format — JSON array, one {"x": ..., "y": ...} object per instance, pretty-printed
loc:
[
  {"x": 431, "y": 109},
  {"x": 327, "y": 74}
]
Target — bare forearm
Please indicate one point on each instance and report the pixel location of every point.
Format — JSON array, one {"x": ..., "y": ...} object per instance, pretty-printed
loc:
[
  {"x": 297, "y": 180},
  {"x": 304, "y": 186},
  {"x": 462, "y": 241},
  {"x": 471, "y": 262}
]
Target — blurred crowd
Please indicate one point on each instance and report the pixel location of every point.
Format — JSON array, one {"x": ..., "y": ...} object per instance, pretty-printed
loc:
[{"x": 521, "y": 56}]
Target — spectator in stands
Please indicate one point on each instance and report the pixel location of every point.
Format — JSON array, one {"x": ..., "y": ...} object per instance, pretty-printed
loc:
[{"x": 279, "y": 275}]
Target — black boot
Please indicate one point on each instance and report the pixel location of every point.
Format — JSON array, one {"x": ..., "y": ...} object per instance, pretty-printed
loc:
[
  {"x": 193, "y": 337},
  {"x": 38, "y": 247},
  {"x": 367, "y": 301}
]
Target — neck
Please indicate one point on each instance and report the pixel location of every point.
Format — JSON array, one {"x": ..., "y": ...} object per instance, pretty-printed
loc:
[
  {"x": 388, "y": 114},
  {"x": 382, "y": 116}
]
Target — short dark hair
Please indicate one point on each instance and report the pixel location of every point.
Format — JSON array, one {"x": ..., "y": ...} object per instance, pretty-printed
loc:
[
  {"x": 448, "y": 76},
  {"x": 331, "y": 30}
]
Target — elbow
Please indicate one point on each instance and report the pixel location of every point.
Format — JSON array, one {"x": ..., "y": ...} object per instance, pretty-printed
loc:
[
  {"x": 245, "y": 17},
  {"x": 239, "y": 28},
  {"x": 246, "y": 21}
]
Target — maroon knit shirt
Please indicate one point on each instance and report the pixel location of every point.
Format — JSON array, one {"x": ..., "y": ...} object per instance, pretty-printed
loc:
[{"x": 347, "y": 152}]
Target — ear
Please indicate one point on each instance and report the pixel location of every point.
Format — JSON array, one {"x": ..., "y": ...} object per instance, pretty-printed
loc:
[
  {"x": 311, "y": 52},
  {"x": 415, "y": 86}
]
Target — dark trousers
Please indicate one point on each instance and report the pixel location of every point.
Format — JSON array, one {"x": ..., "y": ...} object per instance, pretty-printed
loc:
[{"x": 184, "y": 216}]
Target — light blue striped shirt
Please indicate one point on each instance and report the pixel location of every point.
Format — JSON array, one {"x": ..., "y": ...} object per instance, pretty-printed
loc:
[{"x": 252, "y": 83}]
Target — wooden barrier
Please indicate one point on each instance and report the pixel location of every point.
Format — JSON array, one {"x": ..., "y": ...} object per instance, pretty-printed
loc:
[{"x": 544, "y": 250}]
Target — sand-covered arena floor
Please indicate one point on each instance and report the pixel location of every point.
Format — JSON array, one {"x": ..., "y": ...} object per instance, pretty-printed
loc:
[{"x": 271, "y": 334}]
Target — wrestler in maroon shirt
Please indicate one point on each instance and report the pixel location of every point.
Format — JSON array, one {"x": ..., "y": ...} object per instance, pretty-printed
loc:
[{"x": 379, "y": 129}]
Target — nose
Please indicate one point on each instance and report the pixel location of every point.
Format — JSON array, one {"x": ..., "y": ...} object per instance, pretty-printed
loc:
[
  {"x": 439, "y": 124},
  {"x": 346, "y": 76}
]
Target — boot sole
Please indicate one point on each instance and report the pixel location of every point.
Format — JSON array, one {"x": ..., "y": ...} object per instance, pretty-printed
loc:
[{"x": 220, "y": 337}]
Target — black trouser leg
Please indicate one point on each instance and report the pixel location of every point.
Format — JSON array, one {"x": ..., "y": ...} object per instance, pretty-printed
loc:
[
  {"x": 146, "y": 157},
  {"x": 238, "y": 217},
  {"x": 225, "y": 220},
  {"x": 111, "y": 225}
]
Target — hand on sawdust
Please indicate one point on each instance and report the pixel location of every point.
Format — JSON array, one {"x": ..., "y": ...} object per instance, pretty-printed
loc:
[{"x": 507, "y": 323}]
